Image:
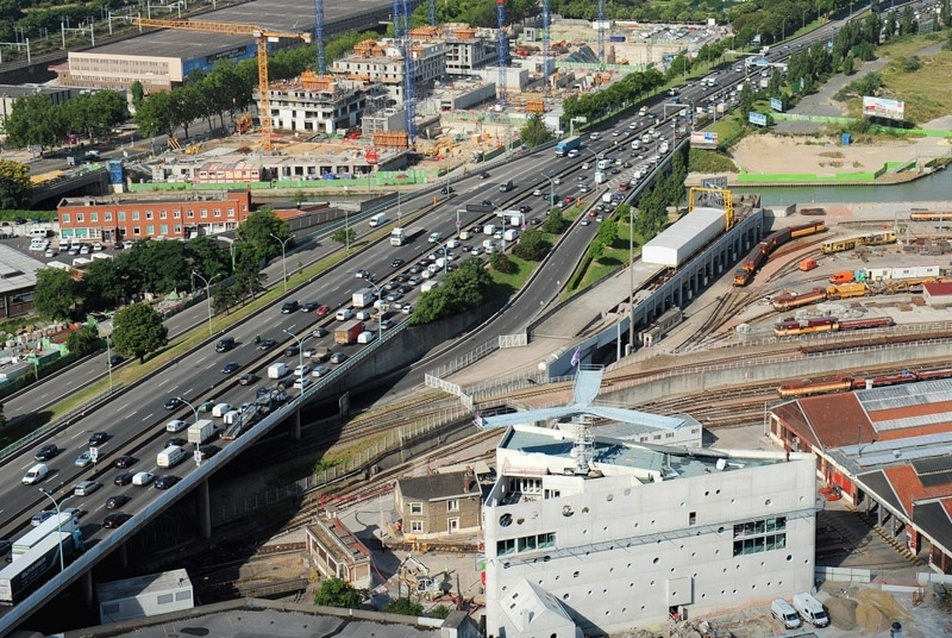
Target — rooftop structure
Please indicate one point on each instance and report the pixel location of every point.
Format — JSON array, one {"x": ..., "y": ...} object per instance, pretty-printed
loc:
[
  {"x": 17, "y": 280},
  {"x": 683, "y": 239},
  {"x": 142, "y": 596},
  {"x": 381, "y": 61},
  {"x": 885, "y": 449},
  {"x": 315, "y": 105}
]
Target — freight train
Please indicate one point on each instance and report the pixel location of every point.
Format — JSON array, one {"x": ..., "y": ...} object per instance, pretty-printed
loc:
[
  {"x": 829, "y": 324},
  {"x": 844, "y": 383},
  {"x": 922, "y": 215},
  {"x": 759, "y": 254},
  {"x": 849, "y": 243},
  {"x": 782, "y": 303}
]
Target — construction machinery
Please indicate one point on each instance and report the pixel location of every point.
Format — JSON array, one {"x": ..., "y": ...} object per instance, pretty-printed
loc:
[
  {"x": 416, "y": 575},
  {"x": 726, "y": 197},
  {"x": 261, "y": 36}
]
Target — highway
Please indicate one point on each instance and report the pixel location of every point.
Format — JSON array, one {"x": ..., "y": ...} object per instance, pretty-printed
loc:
[{"x": 135, "y": 419}]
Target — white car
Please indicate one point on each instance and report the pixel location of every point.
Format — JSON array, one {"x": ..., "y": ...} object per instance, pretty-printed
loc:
[
  {"x": 142, "y": 478},
  {"x": 175, "y": 425},
  {"x": 435, "y": 237},
  {"x": 301, "y": 370},
  {"x": 586, "y": 166}
]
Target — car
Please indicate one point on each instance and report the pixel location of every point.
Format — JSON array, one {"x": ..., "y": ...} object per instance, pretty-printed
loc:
[
  {"x": 175, "y": 425},
  {"x": 525, "y": 208},
  {"x": 248, "y": 378},
  {"x": 585, "y": 221},
  {"x": 292, "y": 351},
  {"x": 535, "y": 221},
  {"x": 301, "y": 370},
  {"x": 569, "y": 200},
  {"x": 397, "y": 296},
  {"x": 46, "y": 452},
  {"x": 176, "y": 441},
  {"x": 386, "y": 324},
  {"x": 338, "y": 357},
  {"x": 616, "y": 133},
  {"x": 208, "y": 451},
  {"x": 320, "y": 371},
  {"x": 415, "y": 280},
  {"x": 484, "y": 175},
  {"x": 584, "y": 188},
  {"x": 319, "y": 332},
  {"x": 225, "y": 344},
  {"x": 230, "y": 368},
  {"x": 267, "y": 344},
  {"x": 124, "y": 461},
  {"x": 487, "y": 202},
  {"x": 446, "y": 190},
  {"x": 633, "y": 126},
  {"x": 142, "y": 478},
  {"x": 310, "y": 306},
  {"x": 322, "y": 310},
  {"x": 115, "y": 519},
  {"x": 84, "y": 459},
  {"x": 118, "y": 245},
  {"x": 557, "y": 181},
  {"x": 123, "y": 478},
  {"x": 117, "y": 501},
  {"x": 41, "y": 516},
  {"x": 592, "y": 213},
  {"x": 360, "y": 273},
  {"x": 85, "y": 488},
  {"x": 289, "y": 306},
  {"x": 50, "y": 253},
  {"x": 537, "y": 192},
  {"x": 206, "y": 406},
  {"x": 408, "y": 309},
  {"x": 165, "y": 482},
  {"x": 301, "y": 383},
  {"x": 623, "y": 186},
  {"x": 115, "y": 359},
  {"x": 396, "y": 263},
  {"x": 616, "y": 171},
  {"x": 599, "y": 218},
  {"x": 173, "y": 403},
  {"x": 586, "y": 166}
]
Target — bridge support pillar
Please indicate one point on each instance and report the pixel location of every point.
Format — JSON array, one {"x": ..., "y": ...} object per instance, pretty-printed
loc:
[
  {"x": 123, "y": 555},
  {"x": 204, "y": 510},
  {"x": 296, "y": 426},
  {"x": 86, "y": 582}
]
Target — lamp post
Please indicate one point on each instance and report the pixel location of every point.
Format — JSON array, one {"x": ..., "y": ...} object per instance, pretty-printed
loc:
[
  {"x": 300, "y": 343},
  {"x": 379, "y": 311},
  {"x": 284, "y": 257},
  {"x": 59, "y": 523},
  {"x": 194, "y": 409},
  {"x": 109, "y": 360},
  {"x": 783, "y": 29},
  {"x": 551, "y": 190},
  {"x": 445, "y": 256},
  {"x": 208, "y": 297}
]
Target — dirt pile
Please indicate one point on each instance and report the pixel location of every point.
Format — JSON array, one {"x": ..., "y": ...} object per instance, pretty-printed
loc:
[{"x": 873, "y": 610}]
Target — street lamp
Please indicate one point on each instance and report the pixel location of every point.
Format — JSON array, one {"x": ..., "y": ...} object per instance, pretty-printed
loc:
[
  {"x": 194, "y": 409},
  {"x": 379, "y": 310},
  {"x": 300, "y": 343},
  {"x": 551, "y": 190},
  {"x": 208, "y": 297},
  {"x": 109, "y": 360},
  {"x": 446, "y": 258},
  {"x": 783, "y": 29},
  {"x": 59, "y": 523},
  {"x": 284, "y": 257}
]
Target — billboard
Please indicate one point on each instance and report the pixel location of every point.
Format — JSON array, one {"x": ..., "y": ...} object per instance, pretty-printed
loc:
[
  {"x": 703, "y": 138},
  {"x": 776, "y": 104},
  {"x": 881, "y": 107},
  {"x": 757, "y": 118}
]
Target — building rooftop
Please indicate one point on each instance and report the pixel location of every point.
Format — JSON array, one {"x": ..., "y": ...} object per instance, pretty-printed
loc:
[
  {"x": 439, "y": 486},
  {"x": 130, "y": 587},
  {"x": 116, "y": 200},
  {"x": 17, "y": 270}
]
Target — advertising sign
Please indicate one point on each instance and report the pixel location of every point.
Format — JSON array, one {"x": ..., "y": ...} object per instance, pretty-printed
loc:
[
  {"x": 776, "y": 104},
  {"x": 757, "y": 118},
  {"x": 703, "y": 138},
  {"x": 881, "y": 107}
]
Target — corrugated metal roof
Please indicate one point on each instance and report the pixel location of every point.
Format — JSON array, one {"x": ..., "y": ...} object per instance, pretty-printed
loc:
[{"x": 907, "y": 396}]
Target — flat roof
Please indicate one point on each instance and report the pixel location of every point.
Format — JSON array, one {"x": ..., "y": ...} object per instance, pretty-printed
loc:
[
  {"x": 17, "y": 270},
  {"x": 130, "y": 587},
  {"x": 682, "y": 232},
  {"x": 276, "y": 15}
]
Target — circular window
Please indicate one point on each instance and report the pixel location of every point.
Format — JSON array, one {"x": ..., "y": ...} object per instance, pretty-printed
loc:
[
  {"x": 610, "y": 498},
  {"x": 520, "y": 521},
  {"x": 655, "y": 560},
  {"x": 768, "y": 502},
  {"x": 584, "y": 510},
  {"x": 568, "y": 510},
  {"x": 576, "y": 574},
  {"x": 627, "y": 491},
  {"x": 505, "y": 520}
]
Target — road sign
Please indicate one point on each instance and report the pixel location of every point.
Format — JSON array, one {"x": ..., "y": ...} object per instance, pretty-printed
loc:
[
  {"x": 93, "y": 454},
  {"x": 198, "y": 456}
]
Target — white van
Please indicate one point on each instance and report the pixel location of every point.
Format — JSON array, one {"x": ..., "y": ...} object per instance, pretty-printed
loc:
[
  {"x": 785, "y": 613},
  {"x": 810, "y": 609},
  {"x": 489, "y": 229},
  {"x": 344, "y": 314},
  {"x": 36, "y": 474},
  {"x": 170, "y": 456},
  {"x": 231, "y": 417},
  {"x": 221, "y": 409},
  {"x": 39, "y": 233},
  {"x": 379, "y": 220},
  {"x": 366, "y": 336}
]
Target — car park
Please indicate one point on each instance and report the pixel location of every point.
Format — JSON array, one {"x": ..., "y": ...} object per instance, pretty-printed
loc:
[
  {"x": 142, "y": 478},
  {"x": 46, "y": 452},
  {"x": 124, "y": 461},
  {"x": 116, "y": 501},
  {"x": 115, "y": 519},
  {"x": 248, "y": 378},
  {"x": 84, "y": 459},
  {"x": 85, "y": 488},
  {"x": 123, "y": 478},
  {"x": 165, "y": 482}
]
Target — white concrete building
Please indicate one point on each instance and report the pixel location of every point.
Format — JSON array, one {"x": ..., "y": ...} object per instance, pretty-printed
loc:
[
  {"x": 296, "y": 106},
  {"x": 382, "y": 61},
  {"x": 646, "y": 532}
]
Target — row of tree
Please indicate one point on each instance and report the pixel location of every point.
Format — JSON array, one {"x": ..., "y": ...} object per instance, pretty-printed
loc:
[
  {"x": 625, "y": 92},
  {"x": 15, "y": 185},
  {"x": 35, "y": 121}
]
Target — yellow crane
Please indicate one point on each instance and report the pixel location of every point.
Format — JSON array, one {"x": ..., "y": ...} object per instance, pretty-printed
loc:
[
  {"x": 727, "y": 200},
  {"x": 261, "y": 36}
]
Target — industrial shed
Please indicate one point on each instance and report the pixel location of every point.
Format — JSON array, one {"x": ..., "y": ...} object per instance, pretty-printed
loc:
[
  {"x": 685, "y": 238},
  {"x": 148, "y": 595}
]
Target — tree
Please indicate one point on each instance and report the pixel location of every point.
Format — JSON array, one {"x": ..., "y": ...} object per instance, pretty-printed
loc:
[
  {"x": 54, "y": 293},
  {"x": 256, "y": 235},
  {"x": 344, "y": 236},
  {"x": 462, "y": 290},
  {"x": 404, "y": 607},
  {"x": 535, "y": 132},
  {"x": 162, "y": 265},
  {"x": 15, "y": 185},
  {"x": 554, "y": 223},
  {"x": 849, "y": 64},
  {"x": 532, "y": 245},
  {"x": 138, "y": 93},
  {"x": 501, "y": 263},
  {"x": 138, "y": 330},
  {"x": 34, "y": 121},
  {"x": 608, "y": 232},
  {"x": 82, "y": 341},
  {"x": 439, "y": 611},
  {"x": 102, "y": 286},
  {"x": 208, "y": 257},
  {"x": 336, "y": 592}
]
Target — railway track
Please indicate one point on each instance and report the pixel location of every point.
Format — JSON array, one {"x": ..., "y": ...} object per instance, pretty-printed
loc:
[{"x": 726, "y": 307}]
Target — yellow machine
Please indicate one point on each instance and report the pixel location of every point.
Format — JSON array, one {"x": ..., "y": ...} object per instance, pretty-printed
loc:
[{"x": 726, "y": 195}]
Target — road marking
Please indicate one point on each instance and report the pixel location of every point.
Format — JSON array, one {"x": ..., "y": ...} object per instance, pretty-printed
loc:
[
  {"x": 122, "y": 407},
  {"x": 166, "y": 381}
]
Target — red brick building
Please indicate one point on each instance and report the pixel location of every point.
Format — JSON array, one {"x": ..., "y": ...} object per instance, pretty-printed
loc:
[{"x": 182, "y": 216}]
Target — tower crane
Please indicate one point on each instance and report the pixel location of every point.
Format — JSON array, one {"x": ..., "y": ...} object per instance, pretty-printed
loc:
[
  {"x": 261, "y": 36},
  {"x": 502, "y": 50}
]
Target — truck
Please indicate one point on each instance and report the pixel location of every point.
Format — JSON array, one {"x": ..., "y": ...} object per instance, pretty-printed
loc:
[
  {"x": 242, "y": 420},
  {"x": 506, "y": 186},
  {"x": 600, "y": 177},
  {"x": 201, "y": 431},
  {"x": 348, "y": 332},
  {"x": 23, "y": 576},
  {"x": 363, "y": 297},
  {"x": 568, "y": 144},
  {"x": 401, "y": 236},
  {"x": 277, "y": 370},
  {"x": 429, "y": 285},
  {"x": 65, "y": 521}
]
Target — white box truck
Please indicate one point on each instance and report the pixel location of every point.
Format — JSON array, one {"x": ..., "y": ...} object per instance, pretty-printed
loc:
[
  {"x": 363, "y": 298},
  {"x": 810, "y": 609},
  {"x": 277, "y": 370},
  {"x": 201, "y": 431},
  {"x": 170, "y": 456}
]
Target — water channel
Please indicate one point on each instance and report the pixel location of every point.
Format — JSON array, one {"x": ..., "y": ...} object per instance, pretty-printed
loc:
[{"x": 932, "y": 188}]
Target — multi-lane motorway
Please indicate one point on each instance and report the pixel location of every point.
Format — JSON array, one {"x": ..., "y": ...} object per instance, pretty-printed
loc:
[{"x": 135, "y": 419}]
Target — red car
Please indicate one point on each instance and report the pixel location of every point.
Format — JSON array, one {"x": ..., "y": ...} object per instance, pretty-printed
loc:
[
  {"x": 323, "y": 310},
  {"x": 623, "y": 186}
]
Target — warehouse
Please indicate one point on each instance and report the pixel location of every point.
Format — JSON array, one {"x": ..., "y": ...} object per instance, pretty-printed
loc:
[
  {"x": 685, "y": 238},
  {"x": 162, "y": 59},
  {"x": 886, "y": 450}
]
